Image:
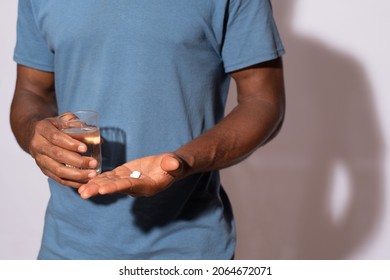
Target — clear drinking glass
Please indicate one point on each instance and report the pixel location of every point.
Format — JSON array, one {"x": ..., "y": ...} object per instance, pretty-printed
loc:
[{"x": 84, "y": 126}]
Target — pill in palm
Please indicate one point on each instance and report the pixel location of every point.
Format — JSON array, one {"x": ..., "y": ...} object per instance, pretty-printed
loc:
[{"x": 135, "y": 174}]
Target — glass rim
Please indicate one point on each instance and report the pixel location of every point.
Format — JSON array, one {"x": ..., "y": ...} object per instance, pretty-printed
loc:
[
  {"x": 83, "y": 115},
  {"x": 79, "y": 111}
]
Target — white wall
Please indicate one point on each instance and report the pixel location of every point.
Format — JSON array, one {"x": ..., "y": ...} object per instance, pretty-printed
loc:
[
  {"x": 319, "y": 190},
  {"x": 23, "y": 189}
]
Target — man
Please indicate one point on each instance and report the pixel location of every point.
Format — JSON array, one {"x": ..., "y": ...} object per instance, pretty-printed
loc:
[{"x": 159, "y": 72}]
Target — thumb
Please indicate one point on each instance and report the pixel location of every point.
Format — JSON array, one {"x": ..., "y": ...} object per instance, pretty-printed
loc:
[{"x": 172, "y": 164}]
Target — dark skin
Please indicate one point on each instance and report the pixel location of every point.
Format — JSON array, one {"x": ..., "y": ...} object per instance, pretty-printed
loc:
[{"x": 254, "y": 121}]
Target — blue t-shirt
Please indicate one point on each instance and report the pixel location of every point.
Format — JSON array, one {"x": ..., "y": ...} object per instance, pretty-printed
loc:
[{"x": 157, "y": 72}]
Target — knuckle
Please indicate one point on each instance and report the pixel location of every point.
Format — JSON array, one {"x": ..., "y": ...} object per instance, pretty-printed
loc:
[
  {"x": 56, "y": 153},
  {"x": 45, "y": 172},
  {"x": 41, "y": 127},
  {"x": 82, "y": 161},
  {"x": 34, "y": 143},
  {"x": 58, "y": 170},
  {"x": 40, "y": 162},
  {"x": 46, "y": 129},
  {"x": 55, "y": 137},
  {"x": 78, "y": 176}
]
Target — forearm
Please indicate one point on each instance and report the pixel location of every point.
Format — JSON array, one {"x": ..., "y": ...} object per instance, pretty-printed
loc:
[
  {"x": 32, "y": 101},
  {"x": 246, "y": 128},
  {"x": 26, "y": 110},
  {"x": 253, "y": 122}
]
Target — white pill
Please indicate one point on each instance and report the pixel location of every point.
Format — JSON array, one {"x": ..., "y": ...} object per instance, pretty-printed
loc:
[{"x": 135, "y": 174}]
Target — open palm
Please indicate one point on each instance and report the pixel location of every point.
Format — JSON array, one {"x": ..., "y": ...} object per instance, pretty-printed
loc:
[{"x": 157, "y": 173}]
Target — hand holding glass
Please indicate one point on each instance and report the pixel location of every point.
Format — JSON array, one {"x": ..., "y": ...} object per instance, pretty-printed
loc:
[{"x": 83, "y": 126}]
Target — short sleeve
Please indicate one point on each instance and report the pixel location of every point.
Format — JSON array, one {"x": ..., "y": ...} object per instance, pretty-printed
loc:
[
  {"x": 251, "y": 35},
  {"x": 31, "y": 49}
]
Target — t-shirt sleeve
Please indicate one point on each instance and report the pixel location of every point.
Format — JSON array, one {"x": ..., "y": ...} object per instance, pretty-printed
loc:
[
  {"x": 31, "y": 49},
  {"x": 251, "y": 35}
]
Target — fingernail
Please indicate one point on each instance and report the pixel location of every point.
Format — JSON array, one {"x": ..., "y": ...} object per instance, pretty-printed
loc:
[
  {"x": 92, "y": 174},
  {"x": 93, "y": 163},
  {"x": 82, "y": 149},
  {"x": 84, "y": 196},
  {"x": 102, "y": 191}
]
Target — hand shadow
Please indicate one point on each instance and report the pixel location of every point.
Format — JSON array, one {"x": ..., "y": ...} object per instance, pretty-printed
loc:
[
  {"x": 183, "y": 201},
  {"x": 282, "y": 195}
]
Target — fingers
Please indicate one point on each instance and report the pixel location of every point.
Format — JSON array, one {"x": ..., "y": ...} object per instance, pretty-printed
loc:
[
  {"x": 60, "y": 155},
  {"x": 57, "y": 154},
  {"x": 68, "y": 176},
  {"x": 87, "y": 191},
  {"x": 117, "y": 180},
  {"x": 109, "y": 182},
  {"x": 156, "y": 174},
  {"x": 48, "y": 130}
]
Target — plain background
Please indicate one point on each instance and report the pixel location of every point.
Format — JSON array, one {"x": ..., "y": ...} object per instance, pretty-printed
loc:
[{"x": 320, "y": 190}]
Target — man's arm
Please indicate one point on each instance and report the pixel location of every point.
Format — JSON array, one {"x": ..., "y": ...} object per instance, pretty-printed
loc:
[
  {"x": 34, "y": 100},
  {"x": 34, "y": 125},
  {"x": 254, "y": 121}
]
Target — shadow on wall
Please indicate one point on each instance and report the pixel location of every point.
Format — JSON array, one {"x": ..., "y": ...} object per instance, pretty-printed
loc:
[{"x": 284, "y": 194}]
